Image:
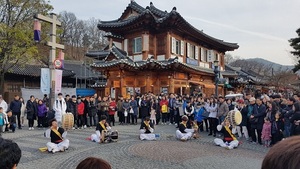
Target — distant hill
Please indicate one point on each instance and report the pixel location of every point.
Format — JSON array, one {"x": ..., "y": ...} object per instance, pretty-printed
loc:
[{"x": 275, "y": 66}]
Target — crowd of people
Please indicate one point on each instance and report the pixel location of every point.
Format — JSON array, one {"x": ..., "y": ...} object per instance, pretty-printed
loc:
[{"x": 266, "y": 120}]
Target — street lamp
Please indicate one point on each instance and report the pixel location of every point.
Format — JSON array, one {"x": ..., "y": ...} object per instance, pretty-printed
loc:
[{"x": 216, "y": 71}]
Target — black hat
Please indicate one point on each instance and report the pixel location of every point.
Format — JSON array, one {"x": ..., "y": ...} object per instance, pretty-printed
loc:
[
  {"x": 103, "y": 117},
  {"x": 50, "y": 121}
]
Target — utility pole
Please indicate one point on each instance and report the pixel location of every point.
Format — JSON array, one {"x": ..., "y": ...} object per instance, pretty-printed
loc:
[{"x": 53, "y": 45}]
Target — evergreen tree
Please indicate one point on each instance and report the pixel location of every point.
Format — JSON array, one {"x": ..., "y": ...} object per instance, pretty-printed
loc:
[{"x": 295, "y": 44}]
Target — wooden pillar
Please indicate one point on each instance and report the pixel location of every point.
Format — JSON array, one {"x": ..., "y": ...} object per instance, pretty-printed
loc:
[
  {"x": 168, "y": 46},
  {"x": 155, "y": 47},
  {"x": 148, "y": 81},
  {"x": 122, "y": 83}
]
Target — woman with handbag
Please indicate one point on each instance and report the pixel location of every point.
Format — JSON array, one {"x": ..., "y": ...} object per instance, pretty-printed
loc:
[
  {"x": 126, "y": 108},
  {"x": 133, "y": 110}
]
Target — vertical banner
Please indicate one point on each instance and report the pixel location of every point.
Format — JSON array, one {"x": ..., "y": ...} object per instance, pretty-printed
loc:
[
  {"x": 58, "y": 81},
  {"x": 37, "y": 31},
  {"x": 45, "y": 80},
  {"x": 61, "y": 57},
  {"x": 210, "y": 56}
]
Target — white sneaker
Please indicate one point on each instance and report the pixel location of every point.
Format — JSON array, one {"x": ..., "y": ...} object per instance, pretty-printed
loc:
[
  {"x": 73, "y": 128},
  {"x": 29, "y": 128},
  {"x": 32, "y": 128},
  {"x": 84, "y": 126},
  {"x": 170, "y": 123}
]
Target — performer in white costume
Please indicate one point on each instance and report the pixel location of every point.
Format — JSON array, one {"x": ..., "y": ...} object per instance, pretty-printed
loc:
[
  {"x": 60, "y": 108},
  {"x": 229, "y": 141},
  {"x": 102, "y": 127},
  {"x": 184, "y": 133},
  {"x": 58, "y": 137},
  {"x": 147, "y": 129}
]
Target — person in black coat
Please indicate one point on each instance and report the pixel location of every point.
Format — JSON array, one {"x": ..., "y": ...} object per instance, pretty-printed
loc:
[
  {"x": 243, "y": 125},
  {"x": 74, "y": 109},
  {"x": 277, "y": 128},
  {"x": 257, "y": 120},
  {"x": 15, "y": 107},
  {"x": 31, "y": 108},
  {"x": 295, "y": 120},
  {"x": 145, "y": 108}
]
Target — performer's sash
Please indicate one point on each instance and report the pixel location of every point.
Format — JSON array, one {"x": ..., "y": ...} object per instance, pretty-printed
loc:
[
  {"x": 57, "y": 133},
  {"x": 184, "y": 124},
  {"x": 229, "y": 131},
  {"x": 103, "y": 126}
]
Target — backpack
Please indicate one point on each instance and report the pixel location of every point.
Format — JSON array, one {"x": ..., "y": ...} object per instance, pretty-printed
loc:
[{"x": 164, "y": 108}]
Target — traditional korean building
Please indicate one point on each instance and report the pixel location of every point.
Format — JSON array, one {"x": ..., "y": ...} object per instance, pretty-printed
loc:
[{"x": 158, "y": 51}]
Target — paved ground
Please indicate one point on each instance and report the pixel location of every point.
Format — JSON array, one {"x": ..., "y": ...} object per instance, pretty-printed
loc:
[{"x": 129, "y": 152}]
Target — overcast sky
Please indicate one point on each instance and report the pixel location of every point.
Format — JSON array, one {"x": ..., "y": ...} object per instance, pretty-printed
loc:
[{"x": 262, "y": 28}]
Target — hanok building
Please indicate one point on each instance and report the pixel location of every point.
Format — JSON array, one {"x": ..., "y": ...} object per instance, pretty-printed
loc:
[{"x": 158, "y": 51}]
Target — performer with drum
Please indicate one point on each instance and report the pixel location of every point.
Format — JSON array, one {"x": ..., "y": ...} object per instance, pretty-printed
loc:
[
  {"x": 146, "y": 130},
  {"x": 103, "y": 132},
  {"x": 58, "y": 137},
  {"x": 229, "y": 141},
  {"x": 184, "y": 131}
]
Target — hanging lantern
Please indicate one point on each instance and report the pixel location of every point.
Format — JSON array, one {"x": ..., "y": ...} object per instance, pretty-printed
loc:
[
  {"x": 61, "y": 57},
  {"x": 37, "y": 31}
]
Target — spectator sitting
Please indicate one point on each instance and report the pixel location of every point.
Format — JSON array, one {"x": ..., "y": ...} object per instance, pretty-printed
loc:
[
  {"x": 10, "y": 154},
  {"x": 93, "y": 163}
]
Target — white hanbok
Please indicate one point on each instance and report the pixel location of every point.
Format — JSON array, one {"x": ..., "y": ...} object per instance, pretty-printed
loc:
[
  {"x": 57, "y": 147},
  {"x": 97, "y": 137},
  {"x": 188, "y": 135},
  {"x": 60, "y": 109},
  {"x": 147, "y": 136},
  {"x": 230, "y": 145}
]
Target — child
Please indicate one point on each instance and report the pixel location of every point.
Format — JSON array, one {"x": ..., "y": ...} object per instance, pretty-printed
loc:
[
  {"x": 277, "y": 128},
  {"x": 2, "y": 117},
  {"x": 198, "y": 116},
  {"x": 153, "y": 116},
  {"x": 266, "y": 132}
]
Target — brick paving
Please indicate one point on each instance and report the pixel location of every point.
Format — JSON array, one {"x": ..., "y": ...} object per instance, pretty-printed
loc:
[{"x": 129, "y": 152}]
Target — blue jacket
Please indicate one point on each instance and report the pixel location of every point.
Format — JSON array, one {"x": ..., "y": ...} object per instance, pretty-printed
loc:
[{"x": 198, "y": 114}]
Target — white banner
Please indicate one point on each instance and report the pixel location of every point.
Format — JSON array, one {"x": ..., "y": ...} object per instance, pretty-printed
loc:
[
  {"x": 45, "y": 80},
  {"x": 58, "y": 81},
  {"x": 210, "y": 56}
]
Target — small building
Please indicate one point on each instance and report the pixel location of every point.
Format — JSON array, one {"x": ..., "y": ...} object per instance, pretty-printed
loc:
[
  {"x": 157, "y": 51},
  {"x": 75, "y": 75}
]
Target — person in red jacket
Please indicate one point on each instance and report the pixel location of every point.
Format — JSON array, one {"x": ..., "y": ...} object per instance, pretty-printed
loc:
[
  {"x": 80, "y": 106},
  {"x": 112, "y": 110},
  {"x": 164, "y": 109}
]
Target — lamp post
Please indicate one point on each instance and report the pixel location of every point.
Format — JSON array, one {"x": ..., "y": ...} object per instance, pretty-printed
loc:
[{"x": 216, "y": 71}]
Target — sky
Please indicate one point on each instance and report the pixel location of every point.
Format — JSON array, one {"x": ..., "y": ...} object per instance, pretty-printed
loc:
[{"x": 262, "y": 28}]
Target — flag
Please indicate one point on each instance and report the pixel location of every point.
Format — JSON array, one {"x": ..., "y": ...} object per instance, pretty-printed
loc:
[
  {"x": 37, "y": 31},
  {"x": 58, "y": 81},
  {"x": 61, "y": 57},
  {"x": 45, "y": 80}
]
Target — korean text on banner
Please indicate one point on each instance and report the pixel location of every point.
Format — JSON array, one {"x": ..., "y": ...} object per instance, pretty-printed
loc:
[
  {"x": 45, "y": 80},
  {"x": 58, "y": 81}
]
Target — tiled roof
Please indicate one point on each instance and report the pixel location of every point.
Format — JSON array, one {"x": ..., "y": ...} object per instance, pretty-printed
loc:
[
  {"x": 34, "y": 70},
  {"x": 81, "y": 70},
  {"x": 125, "y": 61},
  {"x": 156, "y": 17}
]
